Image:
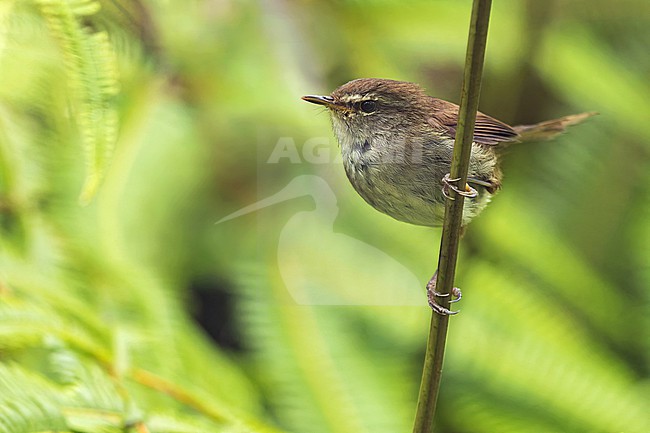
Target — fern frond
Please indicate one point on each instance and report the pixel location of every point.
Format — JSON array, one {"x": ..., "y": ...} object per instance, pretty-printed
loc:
[
  {"x": 25, "y": 325},
  {"x": 28, "y": 403},
  {"x": 323, "y": 378},
  {"x": 83, "y": 398},
  {"x": 93, "y": 78},
  {"x": 540, "y": 360},
  {"x": 94, "y": 399}
]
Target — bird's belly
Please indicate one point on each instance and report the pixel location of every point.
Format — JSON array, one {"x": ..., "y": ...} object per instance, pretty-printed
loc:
[{"x": 411, "y": 195}]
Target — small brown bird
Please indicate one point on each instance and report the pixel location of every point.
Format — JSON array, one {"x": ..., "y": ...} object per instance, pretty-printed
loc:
[{"x": 397, "y": 144}]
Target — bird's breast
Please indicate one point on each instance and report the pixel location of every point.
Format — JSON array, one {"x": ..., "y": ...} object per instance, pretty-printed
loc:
[{"x": 404, "y": 179}]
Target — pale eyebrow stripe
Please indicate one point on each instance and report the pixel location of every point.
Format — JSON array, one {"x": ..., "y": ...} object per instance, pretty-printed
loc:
[{"x": 357, "y": 98}]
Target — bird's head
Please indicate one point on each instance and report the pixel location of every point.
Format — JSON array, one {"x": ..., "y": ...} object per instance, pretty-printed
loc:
[{"x": 371, "y": 106}]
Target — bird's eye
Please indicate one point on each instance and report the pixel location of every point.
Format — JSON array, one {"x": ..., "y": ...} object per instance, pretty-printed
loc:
[{"x": 368, "y": 106}]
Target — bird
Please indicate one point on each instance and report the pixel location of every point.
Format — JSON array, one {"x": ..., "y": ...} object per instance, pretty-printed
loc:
[{"x": 397, "y": 142}]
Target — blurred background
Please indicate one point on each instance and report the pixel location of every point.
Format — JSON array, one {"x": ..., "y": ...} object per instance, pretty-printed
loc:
[{"x": 129, "y": 129}]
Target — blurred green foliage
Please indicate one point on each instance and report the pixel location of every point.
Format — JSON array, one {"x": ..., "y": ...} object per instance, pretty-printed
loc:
[{"x": 127, "y": 129}]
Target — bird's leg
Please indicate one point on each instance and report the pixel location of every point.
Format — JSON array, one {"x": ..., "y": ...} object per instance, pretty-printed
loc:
[
  {"x": 432, "y": 294},
  {"x": 448, "y": 183}
]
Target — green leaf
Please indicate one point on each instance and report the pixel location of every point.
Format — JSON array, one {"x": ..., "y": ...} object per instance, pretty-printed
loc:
[
  {"x": 28, "y": 403},
  {"x": 92, "y": 77}
]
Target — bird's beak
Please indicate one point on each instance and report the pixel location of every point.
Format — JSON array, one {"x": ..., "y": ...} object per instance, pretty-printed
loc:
[{"x": 327, "y": 101}]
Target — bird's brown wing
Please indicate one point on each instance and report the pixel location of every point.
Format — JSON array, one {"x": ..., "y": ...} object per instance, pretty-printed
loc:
[{"x": 487, "y": 130}]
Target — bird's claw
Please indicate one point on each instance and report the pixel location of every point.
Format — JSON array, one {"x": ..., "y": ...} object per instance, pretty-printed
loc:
[
  {"x": 456, "y": 294},
  {"x": 439, "y": 309},
  {"x": 448, "y": 184},
  {"x": 432, "y": 294}
]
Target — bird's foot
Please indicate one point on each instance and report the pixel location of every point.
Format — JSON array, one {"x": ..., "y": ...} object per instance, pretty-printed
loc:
[
  {"x": 432, "y": 294},
  {"x": 448, "y": 184}
]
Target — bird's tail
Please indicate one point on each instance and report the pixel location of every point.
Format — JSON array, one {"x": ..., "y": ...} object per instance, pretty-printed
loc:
[{"x": 551, "y": 128}]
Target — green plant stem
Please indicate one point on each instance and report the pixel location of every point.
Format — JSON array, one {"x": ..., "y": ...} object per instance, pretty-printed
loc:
[{"x": 451, "y": 230}]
